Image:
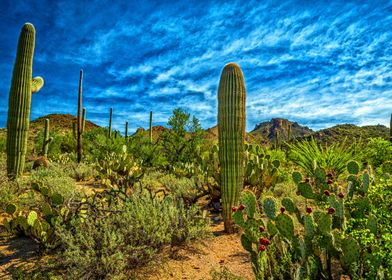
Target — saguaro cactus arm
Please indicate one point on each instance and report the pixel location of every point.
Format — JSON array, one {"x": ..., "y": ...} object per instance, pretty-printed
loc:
[{"x": 36, "y": 84}]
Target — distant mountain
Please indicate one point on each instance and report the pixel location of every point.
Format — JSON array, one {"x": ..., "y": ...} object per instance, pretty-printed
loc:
[
  {"x": 59, "y": 122},
  {"x": 351, "y": 132},
  {"x": 266, "y": 132},
  {"x": 263, "y": 133}
]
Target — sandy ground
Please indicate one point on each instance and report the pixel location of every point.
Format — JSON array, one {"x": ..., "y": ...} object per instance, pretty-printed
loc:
[
  {"x": 197, "y": 260},
  {"x": 194, "y": 261}
]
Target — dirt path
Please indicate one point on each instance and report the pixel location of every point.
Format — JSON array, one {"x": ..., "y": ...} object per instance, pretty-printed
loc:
[{"x": 196, "y": 261}]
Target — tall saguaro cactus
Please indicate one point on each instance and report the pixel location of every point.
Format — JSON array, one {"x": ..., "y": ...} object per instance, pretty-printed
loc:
[
  {"x": 390, "y": 130},
  {"x": 151, "y": 127},
  {"x": 47, "y": 139},
  {"x": 19, "y": 104},
  {"x": 231, "y": 125},
  {"x": 110, "y": 123},
  {"x": 126, "y": 130},
  {"x": 80, "y": 121}
]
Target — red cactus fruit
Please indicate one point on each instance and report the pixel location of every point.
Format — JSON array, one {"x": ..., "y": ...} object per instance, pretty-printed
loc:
[
  {"x": 262, "y": 248},
  {"x": 282, "y": 209},
  {"x": 341, "y": 195},
  {"x": 329, "y": 182},
  {"x": 242, "y": 207},
  {"x": 308, "y": 210},
  {"x": 307, "y": 180},
  {"x": 264, "y": 241},
  {"x": 234, "y": 209},
  {"x": 331, "y": 210},
  {"x": 329, "y": 175},
  {"x": 327, "y": 193},
  {"x": 262, "y": 229}
]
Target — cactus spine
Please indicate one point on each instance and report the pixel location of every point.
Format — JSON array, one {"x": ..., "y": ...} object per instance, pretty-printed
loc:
[
  {"x": 47, "y": 140},
  {"x": 110, "y": 123},
  {"x": 126, "y": 130},
  {"x": 80, "y": 122},
  {"x": 231, "y": 123},
  {"x": 151, "y": 127},
  {"x": 19, "y": 104}
]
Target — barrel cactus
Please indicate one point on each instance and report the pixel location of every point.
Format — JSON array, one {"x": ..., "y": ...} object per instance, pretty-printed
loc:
[
  {"x": 22, "y": 87},
  {"x": 231, "y": 124}
]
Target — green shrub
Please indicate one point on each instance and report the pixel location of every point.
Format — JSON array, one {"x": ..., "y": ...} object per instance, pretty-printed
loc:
[
  {"x": 309, "y": 155},
  {"x": 108, "y": 245},
  {"x": 377, "y": 151}
]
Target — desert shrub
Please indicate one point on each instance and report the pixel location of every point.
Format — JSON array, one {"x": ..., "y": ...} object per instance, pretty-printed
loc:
[
  {"x": 3, "y": 141},
  {"x": 56, "y": 178},
  {"x": 147, "y": 154},
  {"x": 379, "y": 263},
  {"x": 109, "y": 245},
  {"x": 309, "y": 155},
  {"x": 82, "y": 171},
  {"x": 68, "y": 143},
  {"x": 96, "y": 144},
  {"x": 377, "y": 151}
]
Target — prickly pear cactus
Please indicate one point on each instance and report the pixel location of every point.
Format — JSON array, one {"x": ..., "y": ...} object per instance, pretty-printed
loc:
[
  {"x": 285, "y": 225},
  {"x": 22, "y": 87},
  {"x": 350, "y": 252},
  {"x": 353, "y": 167},
  {"x": 270, "y": 207}
]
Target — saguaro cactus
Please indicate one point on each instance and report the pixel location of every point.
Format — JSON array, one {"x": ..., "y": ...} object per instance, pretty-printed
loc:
[
  {"x": 47, "y": 140},
  {"x": 231, "y": 125},
  {"x": 126, "y": 130},
  {"x": 390, "y": 129},
  {"x": 110, "y": 123},
  {"x": 80, "y": 121},
  {"x": 151, "y": 127},
  {"x": 19, "y": 104}
]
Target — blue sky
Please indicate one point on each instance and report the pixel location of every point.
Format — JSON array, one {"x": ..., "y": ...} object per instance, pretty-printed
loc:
[{"x": 315, "y": 62}]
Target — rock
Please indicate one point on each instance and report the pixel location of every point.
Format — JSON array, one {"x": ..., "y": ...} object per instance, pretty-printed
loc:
[{"x": 41, "y": 162}]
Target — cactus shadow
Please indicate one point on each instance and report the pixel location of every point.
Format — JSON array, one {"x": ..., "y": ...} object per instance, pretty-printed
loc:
[{"x": 15, "y": 253}]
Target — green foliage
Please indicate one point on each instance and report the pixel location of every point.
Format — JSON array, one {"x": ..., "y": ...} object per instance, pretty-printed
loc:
[
  {"x": 181, "y": 143},
  {"x": 309, "y": 155},
  {"x": 109, "y": 245},
  {"x": 377, "y": 151}
]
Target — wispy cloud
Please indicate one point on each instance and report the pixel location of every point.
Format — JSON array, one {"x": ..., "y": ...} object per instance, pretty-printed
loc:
[{"x": 316, "y": 63}]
